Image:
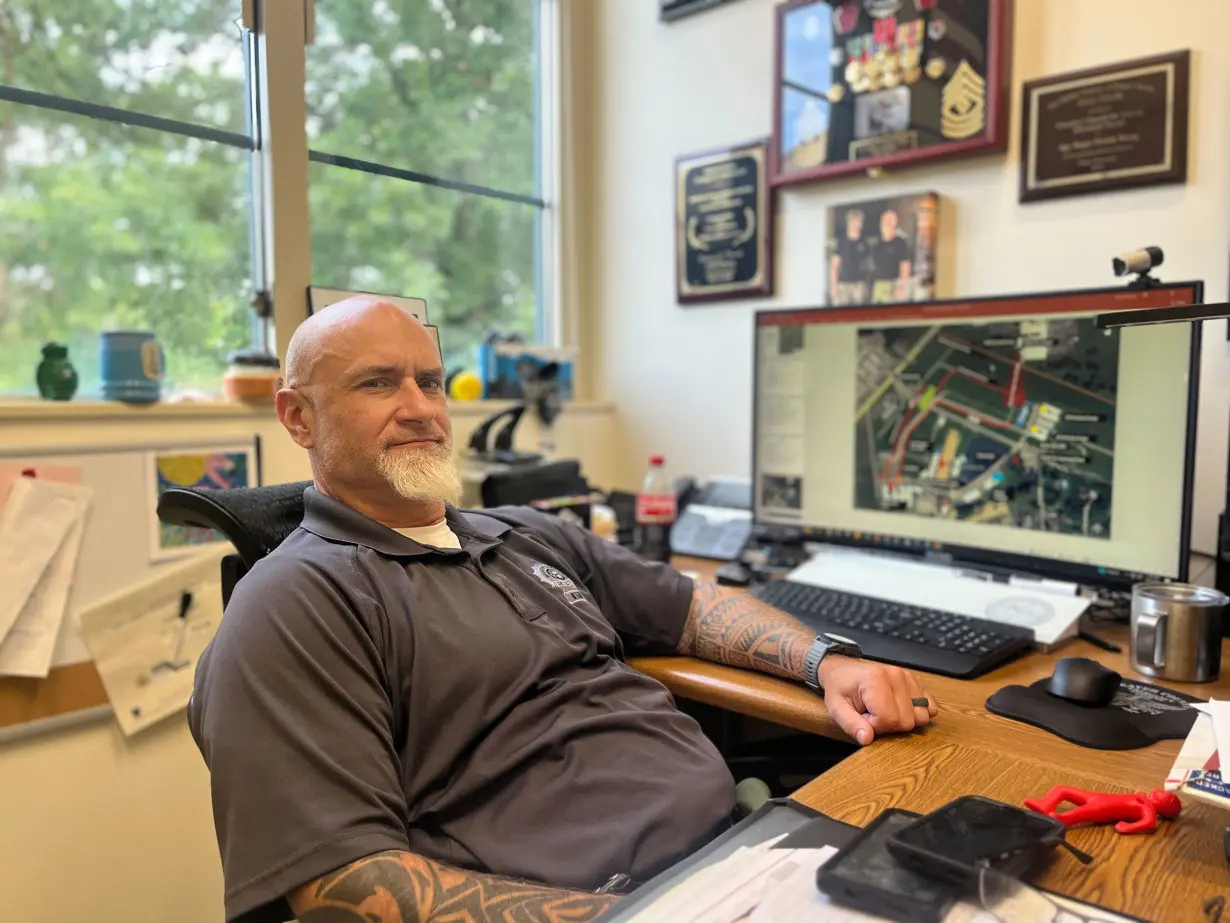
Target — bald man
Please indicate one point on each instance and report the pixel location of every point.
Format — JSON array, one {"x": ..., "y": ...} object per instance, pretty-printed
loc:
[{"x": 411, "y": 712}]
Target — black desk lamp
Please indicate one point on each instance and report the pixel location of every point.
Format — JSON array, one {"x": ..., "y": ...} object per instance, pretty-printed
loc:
[
  {"x": 501, "y": 449},
  {"x": 1141, "y": 262}
]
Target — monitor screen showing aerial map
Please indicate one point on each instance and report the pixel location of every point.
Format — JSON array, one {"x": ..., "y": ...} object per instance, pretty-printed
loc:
[{"x": 1009, "y": 423}]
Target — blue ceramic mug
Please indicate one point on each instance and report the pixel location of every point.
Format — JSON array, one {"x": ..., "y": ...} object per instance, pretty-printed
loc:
[{"x": 133, "y": 364}]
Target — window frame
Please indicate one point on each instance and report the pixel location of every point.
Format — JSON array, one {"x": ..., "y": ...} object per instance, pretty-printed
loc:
[{"x": 249, "y": 141}]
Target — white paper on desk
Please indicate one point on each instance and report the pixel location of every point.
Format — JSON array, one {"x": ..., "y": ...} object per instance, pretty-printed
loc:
[
  {"x": 28, "y": 647},
  {"x": 718, "y": 893},
  {"x": 36, "y": 519},
  {"x": 1220, "y": 713}
]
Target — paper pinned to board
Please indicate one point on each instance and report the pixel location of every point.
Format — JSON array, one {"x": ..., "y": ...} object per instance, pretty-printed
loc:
[
  {"x": 146, "y": 641},
  {"x": 37, "y": 518},
  {"x": 30, "y": 644}
]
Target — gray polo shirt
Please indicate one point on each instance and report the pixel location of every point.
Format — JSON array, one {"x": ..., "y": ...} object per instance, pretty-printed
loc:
[{"x": 365, "y": 692}]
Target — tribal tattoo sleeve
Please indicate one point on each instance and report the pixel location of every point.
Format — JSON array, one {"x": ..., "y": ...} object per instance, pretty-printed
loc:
[
  {"x": 401, "y": 887},
  {"x": 736, "y": 629}
]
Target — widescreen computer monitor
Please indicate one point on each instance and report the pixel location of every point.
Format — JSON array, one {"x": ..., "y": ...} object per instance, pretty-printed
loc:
[{"x": 1008, "y": 432}]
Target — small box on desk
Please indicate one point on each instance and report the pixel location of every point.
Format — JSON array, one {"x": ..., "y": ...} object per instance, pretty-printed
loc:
[{"x": 501, "y": 368}]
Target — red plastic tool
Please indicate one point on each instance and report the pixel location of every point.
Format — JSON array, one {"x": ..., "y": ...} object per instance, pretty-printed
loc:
[{"x": 1134, "y": 813}]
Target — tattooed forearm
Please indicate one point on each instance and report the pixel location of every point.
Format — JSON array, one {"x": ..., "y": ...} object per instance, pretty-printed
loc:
[
  {"x": 400, "y": 887},
  {"x": 739, "y": 630}
]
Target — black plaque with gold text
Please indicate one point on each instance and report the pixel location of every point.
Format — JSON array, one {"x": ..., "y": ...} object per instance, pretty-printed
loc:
[
  {"x": 1106, "y": 128},
  {"x": 723, "y": 225}
]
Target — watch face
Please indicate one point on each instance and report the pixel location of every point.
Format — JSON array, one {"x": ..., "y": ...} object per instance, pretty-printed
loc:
[{"x": 840, "y": 645}]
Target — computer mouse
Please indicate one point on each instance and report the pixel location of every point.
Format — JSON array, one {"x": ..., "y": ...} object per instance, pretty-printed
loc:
[{"x": 1083, "y": 681}]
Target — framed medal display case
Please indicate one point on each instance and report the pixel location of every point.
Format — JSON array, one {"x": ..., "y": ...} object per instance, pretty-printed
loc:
[{"x": 863, "y": 85}]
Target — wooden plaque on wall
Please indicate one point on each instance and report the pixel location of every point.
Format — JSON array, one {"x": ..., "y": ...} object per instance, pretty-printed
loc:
[
  {"x": 723, "y": 225},
  {"x": 1116, "y": 127}
]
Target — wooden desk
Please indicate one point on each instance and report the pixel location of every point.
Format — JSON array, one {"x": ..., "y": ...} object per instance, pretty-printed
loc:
[{"x": 1163, "y": 876}]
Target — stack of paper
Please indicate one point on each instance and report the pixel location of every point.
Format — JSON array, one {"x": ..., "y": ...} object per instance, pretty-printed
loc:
[
  {"x": 1197, "y": 769},
  {"x": 761, "y": 884},
  {"x": 41, "y": 524},
  {"x": 732, "y": 889}
]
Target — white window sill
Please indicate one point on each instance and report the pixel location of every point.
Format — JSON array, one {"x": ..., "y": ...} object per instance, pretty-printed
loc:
[
  {"x": 486, "y": 408},
  {"x": 34, "y": 410}
]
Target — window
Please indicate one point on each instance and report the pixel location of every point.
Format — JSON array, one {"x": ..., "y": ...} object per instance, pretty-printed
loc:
[
  {"x": 125, "y": 183},
  {"x": 136, "y": 192},
  {"x": 425, "y": 128}
]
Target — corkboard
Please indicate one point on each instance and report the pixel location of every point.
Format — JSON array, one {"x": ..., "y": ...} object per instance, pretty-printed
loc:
[
  {"x": 115, "y": 556},
  {"x": 71, "y": 688}
]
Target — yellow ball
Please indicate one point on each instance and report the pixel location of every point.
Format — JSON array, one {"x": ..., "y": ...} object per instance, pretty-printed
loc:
[{"x": 466, "y": 386}]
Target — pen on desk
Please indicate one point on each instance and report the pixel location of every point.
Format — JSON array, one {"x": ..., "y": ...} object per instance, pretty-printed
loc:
[
  {"x": 185, "y": 603},
  {"x": 1099, "y": 642}
]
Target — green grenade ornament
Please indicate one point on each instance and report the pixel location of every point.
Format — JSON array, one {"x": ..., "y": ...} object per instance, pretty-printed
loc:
[{"x": 57, "y": 379}]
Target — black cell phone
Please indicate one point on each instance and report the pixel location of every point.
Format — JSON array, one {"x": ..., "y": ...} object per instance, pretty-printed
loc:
[
  {"x": 972, "y": 831},
  {"x": 864, "y": 876}
]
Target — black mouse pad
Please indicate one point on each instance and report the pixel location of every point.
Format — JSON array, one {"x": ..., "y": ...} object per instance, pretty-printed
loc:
[{"x": 1139, "y": 714}]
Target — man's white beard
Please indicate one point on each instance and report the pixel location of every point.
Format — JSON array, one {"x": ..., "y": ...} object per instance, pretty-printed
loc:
[{"x": 422, "y": 474}]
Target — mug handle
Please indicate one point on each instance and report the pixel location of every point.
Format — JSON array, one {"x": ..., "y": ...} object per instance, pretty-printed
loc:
[
  {"x": 153, "y": 360},
  {"x": 1151, "y": 629}
]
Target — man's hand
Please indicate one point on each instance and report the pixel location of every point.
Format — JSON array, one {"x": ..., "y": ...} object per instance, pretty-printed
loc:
[{"x": 867, "y": 698}]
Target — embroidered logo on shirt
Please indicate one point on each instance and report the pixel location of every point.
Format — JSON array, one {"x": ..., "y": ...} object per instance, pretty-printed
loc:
[{"x": 557, "y": 579}]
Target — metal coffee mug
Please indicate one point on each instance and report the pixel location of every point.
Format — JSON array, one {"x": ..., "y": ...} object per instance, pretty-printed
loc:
[{"x": 1176, "y": 631}]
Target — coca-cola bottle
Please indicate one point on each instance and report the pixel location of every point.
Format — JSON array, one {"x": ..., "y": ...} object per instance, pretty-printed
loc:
[{"x": 655, "y": 513}]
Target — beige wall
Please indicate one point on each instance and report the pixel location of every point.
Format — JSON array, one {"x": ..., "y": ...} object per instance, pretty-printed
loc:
[
  {"x": 98, "y": 829},
  {"x": 661, "y": 90}
]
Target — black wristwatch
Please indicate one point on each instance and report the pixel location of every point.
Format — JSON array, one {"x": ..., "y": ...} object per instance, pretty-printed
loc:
[{"x": 824, "y": 645}]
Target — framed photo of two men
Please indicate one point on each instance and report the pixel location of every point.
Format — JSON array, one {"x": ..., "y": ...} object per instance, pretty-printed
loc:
[
  {"x": 882, "y": 251},
  {"x": 862, "y": 85}
]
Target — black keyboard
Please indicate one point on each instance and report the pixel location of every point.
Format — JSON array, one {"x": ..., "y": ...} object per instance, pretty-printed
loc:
[{"x": 893, "y": 632}]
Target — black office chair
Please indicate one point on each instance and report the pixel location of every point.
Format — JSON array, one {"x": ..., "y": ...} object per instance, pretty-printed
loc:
[
  {"x": 258, "y": 519},
  {"x": 254, "y": 519}
]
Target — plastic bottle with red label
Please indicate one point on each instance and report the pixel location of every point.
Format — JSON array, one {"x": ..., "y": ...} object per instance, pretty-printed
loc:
[{"x": 655, "y": 513}]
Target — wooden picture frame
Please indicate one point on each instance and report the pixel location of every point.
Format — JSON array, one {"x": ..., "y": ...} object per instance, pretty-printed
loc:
[
  {"x": 861, "y": 86},
  {"x": 723, "y": 224},
  {"x": 1103, "y": 129}
]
